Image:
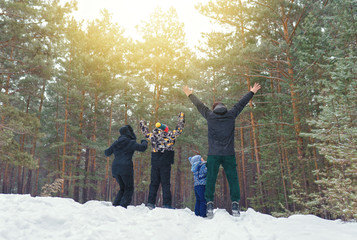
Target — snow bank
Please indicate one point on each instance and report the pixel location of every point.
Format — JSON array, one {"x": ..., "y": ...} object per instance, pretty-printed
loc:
[{"x": 26, "y": 217}]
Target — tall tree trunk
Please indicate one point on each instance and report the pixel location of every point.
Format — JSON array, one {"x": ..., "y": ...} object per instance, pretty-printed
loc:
[
  {"x": 58, "y": 167},
  {"x": 12, "y": 173},
  {"x": 282, "y": 169},
  {"x": 65, "y": 142},
  {"x": 281, "y": 162},
  {"x": 2, "y": 164},
  {"x": 6, "y": 181},
  {"x": 20, "y": 169},
  {"x": 244, "y": 177},
  {"x": 79, "y": 151},
  {"x": 86, "y": 176},
  {"x": 314, "y": 154},
  {"x": 282, "y": 141},
  {"x": 252, "y": 118},
  {"x": 255, "y": 145},
  {"x": 177, "y": 187},
  {"x": 294, "y": 95},
  {"x": 157, "y": 102},
  {"x": 92, "y": 189},
  {"x": 35, "y": 193},
  {"x": 34, "y": 142},
  {"x": 106, "y": 179},
  {"x": 126, "y": 107}
]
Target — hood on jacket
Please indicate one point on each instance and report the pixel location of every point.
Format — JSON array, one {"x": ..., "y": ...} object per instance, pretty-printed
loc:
[
  {"x": 195, "y": 162},
  {"x": 220, "y": 108},
  {"x": 127, "y": 131}
]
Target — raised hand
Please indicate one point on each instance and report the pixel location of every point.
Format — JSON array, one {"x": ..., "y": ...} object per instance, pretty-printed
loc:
[
  {"x": 187, "y": 91},
  {"x": 255, "y": 88}
]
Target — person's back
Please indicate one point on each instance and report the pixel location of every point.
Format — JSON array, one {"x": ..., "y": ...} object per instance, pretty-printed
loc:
[
  {"x": 221, "y": 125},
  {"x": 199, "y": 171},
  {"x": 123, "y": 154},
  {"x": 162, "y": 156},
  {"x": 122, "y": 166},
  {"x": 123, "y": 150}
]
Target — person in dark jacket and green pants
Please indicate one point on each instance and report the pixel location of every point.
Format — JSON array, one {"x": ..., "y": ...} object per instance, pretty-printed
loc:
[
  {"x": 221, "y": 125},
  {"x": 122, "y": 167}
]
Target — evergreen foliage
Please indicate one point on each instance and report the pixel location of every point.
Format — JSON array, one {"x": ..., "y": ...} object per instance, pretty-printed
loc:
[{"x": 68, "y": 86}]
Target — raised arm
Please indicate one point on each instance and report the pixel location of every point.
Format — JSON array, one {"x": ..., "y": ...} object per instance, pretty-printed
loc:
[
  {"x": 145, "y": 130},
  {"x": 238, "y": 107},
  {"x": 205, "y": 111},
  {"x": 141, "y": 147},
  {"x": 179, "y": 127},
  {"x": 109, "y": 151}
]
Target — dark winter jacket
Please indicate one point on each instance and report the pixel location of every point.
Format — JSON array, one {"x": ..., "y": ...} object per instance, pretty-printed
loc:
[
  {"x": 162, "y": 158},
  {"x": 162, "y": 141},
  {"x": 221, "y": 124},
  {"x": 123, "y": 150}
]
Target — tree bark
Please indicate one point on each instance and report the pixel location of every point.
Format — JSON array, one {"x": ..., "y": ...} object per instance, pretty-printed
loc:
[
  {"x": 178, "y": 177},
  {"x": 244, "y": 177},
  {"x": 34, "y": 142},
  {"x": 76, "y": 189},
  {"x": 106, "y": 179},
  {"x": 92, "y": 189},
  {"x": 65, "y": 142},
  {"x": 294, "y": 95},
  {"x": 85, "y": 180}
]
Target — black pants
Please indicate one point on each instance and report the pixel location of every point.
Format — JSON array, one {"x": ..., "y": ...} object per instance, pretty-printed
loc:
[
  {"x": 160, "y": 174},
  {"x": 125, "y": 194}
]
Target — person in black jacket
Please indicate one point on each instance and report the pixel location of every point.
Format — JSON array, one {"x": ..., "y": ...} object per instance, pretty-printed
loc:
[
  {"x": 122, "y": 166},
  {"x": 162, "y": 156},
  {"x": 221, "y": 125}
]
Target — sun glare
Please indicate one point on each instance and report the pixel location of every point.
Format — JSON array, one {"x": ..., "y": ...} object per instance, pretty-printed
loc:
[{"x": 130, "y": 13}]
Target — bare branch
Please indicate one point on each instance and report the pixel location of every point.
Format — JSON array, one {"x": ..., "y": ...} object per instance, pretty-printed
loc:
[
  {"x": 265, "y": 124},
  {"x": 2, "y": 126}
]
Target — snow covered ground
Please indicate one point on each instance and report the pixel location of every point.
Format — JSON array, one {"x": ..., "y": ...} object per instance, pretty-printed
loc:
[{"x": 26, "y": 217}]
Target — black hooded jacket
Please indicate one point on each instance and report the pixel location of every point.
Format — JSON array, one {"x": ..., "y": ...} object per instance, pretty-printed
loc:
[
  {"x": 123, "y": 150},
  {"x": 221, "y": 124}
]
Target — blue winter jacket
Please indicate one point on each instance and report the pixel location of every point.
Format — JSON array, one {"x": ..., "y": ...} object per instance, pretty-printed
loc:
[{"x": 199, "y": 170}]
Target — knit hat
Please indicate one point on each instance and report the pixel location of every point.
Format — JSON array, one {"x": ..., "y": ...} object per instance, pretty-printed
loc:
[
  {"x": 194, "y": 159},
  {"x": 162, "y": 126}
]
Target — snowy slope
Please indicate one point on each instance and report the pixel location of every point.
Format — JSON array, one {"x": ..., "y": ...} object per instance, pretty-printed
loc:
[{"x": 25, "y": 217}]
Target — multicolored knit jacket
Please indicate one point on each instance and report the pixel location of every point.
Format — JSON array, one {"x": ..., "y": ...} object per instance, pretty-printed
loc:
[{"x": 160, "y": 140}]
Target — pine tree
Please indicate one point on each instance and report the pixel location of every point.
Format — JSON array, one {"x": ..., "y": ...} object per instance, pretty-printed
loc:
[
  {"x": 333, "y": 126},
  {"x": 28, "y": 36}
]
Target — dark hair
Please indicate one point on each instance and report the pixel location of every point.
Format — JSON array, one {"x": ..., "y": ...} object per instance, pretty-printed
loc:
[{"x": 215, "y": 104}]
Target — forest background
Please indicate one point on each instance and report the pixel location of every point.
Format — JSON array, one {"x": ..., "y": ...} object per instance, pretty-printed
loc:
[{"x": 67, "y": 86}]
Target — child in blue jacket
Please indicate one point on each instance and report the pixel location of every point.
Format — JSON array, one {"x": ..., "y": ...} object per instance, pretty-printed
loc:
[{"x": 199, "y": 171}]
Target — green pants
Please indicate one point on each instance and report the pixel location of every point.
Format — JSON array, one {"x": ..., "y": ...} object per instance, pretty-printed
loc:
[{"x": 229, "y": 164}]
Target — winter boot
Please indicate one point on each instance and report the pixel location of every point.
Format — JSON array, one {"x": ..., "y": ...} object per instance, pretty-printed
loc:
[
  {"x": 150, "y": 206},
  {"x": 209, "y": 210},
  {"x": 235, "y": 209},
  {"x": 168, "y": 206}
]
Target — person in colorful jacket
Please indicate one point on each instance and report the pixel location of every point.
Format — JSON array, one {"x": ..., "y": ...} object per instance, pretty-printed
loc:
[
  {"x": 199, "y": 171},
  {"x": 162, "y": 156},
  {"x": 221, "y": 126}
]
